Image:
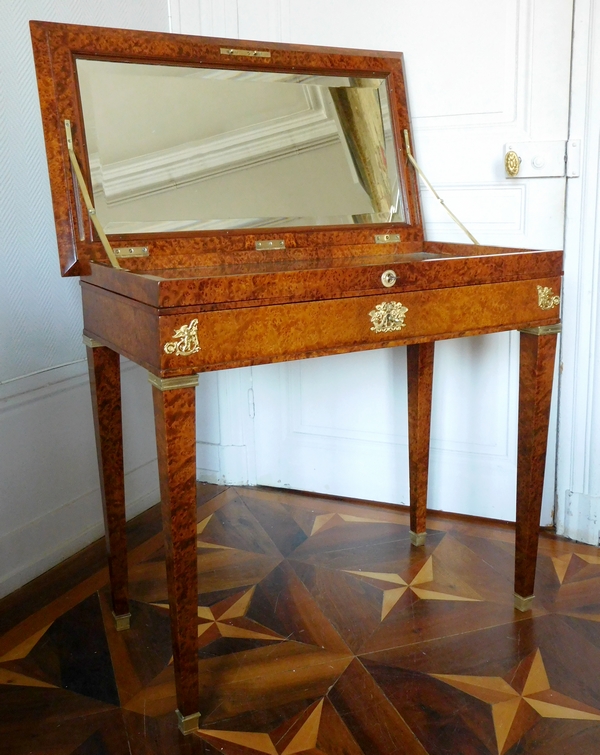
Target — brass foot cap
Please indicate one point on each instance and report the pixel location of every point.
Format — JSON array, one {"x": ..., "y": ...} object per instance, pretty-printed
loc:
[
  {"x": 122, "y": 622},
  {"x": 188, "y": 724},
  {"x": 417, "y": 538},
  {"x": 523, "y": 604}
]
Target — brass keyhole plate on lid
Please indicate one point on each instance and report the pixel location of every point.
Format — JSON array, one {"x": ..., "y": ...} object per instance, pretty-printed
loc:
[{"x": 388, "y": 278}]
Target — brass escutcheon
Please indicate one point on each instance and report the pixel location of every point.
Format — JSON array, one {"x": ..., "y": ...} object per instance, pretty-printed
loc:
[
  {"x": 185, "y": 340},
  {"x": 388, "y": 278},
  {"x": 547, "y": 299},
  {"x": 388, "y": 316}
]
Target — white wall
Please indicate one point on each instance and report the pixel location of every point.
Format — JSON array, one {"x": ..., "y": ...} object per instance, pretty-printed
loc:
[
  {"x": 578, "y": 471},
  {"x": 49, "y": 489}
]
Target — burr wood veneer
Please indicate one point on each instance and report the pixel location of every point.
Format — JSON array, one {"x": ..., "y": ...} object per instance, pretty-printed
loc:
[{"x": 209, "y": 300}]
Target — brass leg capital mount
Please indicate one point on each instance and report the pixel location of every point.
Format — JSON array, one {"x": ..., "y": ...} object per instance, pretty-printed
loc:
[{"x": 169, "y": 384}]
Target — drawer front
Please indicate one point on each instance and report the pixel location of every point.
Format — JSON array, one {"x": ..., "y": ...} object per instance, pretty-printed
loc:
[{"x": 258, "y": 335}]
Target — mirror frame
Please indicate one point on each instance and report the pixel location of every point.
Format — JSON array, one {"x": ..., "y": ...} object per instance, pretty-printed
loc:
[{"x": 56, "y": 49}]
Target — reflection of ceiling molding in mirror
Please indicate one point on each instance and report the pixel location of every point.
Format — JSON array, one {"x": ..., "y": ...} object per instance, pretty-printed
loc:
[
  {"x": 174, "y": 149},
  {"x": 215, "y": 155}
]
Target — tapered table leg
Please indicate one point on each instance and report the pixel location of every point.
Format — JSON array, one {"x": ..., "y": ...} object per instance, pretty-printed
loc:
[
  {"x": 538, "y": 349},
  {"x": 174, "y": 414},
  {"x": 420, "y": 383},
  {"x": 105, "y": 383}
]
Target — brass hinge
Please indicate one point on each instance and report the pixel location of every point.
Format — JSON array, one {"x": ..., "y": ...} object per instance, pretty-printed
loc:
[
  {"x": 271, "y": 244},
  {"x": 131, "y": 251},
  {"x": 246, "y": 53}
]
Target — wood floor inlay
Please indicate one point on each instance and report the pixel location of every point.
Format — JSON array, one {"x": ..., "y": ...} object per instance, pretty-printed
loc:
[
  {"x": 529, "y": 686},
  {"x": 321, "y": 630}
]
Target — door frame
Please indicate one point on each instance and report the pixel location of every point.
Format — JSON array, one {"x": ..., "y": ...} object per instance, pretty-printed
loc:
[{"x": 578, "y": 466}]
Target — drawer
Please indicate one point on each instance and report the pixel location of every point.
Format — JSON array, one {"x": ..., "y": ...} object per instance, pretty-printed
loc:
[{"x": 258, "y": 335}]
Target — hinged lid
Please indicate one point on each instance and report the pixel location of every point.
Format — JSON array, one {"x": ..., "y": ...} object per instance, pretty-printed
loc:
[{"x": 201, "y": 150}]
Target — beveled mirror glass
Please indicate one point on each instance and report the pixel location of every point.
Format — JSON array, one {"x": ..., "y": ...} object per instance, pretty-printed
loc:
[{"x": 175, "y": 148}]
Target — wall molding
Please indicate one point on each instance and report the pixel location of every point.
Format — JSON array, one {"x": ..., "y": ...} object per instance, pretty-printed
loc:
[
  {"x": 40, "y": 384},
  {"x": 50, "y": 499},
  {"x": 44, "y": 383},
  {"x": 47, "y": 531}
]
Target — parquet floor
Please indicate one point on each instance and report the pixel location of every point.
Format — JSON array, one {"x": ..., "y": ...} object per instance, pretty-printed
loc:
[{"x": 320, "y": 630}]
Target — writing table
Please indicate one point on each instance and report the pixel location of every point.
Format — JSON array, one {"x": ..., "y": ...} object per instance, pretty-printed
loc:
[{"x": 137, "y": 166}]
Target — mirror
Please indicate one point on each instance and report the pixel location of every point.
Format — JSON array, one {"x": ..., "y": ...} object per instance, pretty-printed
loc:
[{"x": 175, "y": 148}]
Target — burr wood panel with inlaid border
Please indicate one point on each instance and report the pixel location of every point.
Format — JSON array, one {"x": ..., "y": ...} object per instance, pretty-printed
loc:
[
  {"x": 261, "y": 335},
  {"x": 277, "y": 333}
]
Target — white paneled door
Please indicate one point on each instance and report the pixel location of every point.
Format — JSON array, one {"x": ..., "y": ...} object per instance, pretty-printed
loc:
[{"x": 480, "y": 74}]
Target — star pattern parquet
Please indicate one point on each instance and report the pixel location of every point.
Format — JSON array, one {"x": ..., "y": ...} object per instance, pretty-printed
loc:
[{"x": 321, "y": 630}]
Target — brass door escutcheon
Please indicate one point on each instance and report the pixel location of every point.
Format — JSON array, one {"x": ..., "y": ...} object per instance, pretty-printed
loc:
[{"x": 512, "y": 163}]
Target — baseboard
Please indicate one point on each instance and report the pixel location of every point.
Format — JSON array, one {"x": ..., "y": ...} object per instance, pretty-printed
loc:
[
  {"x": 581, "y": 521},
  {"x": 40, "y": 544},
  {"x": 221, "y": 465}
]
